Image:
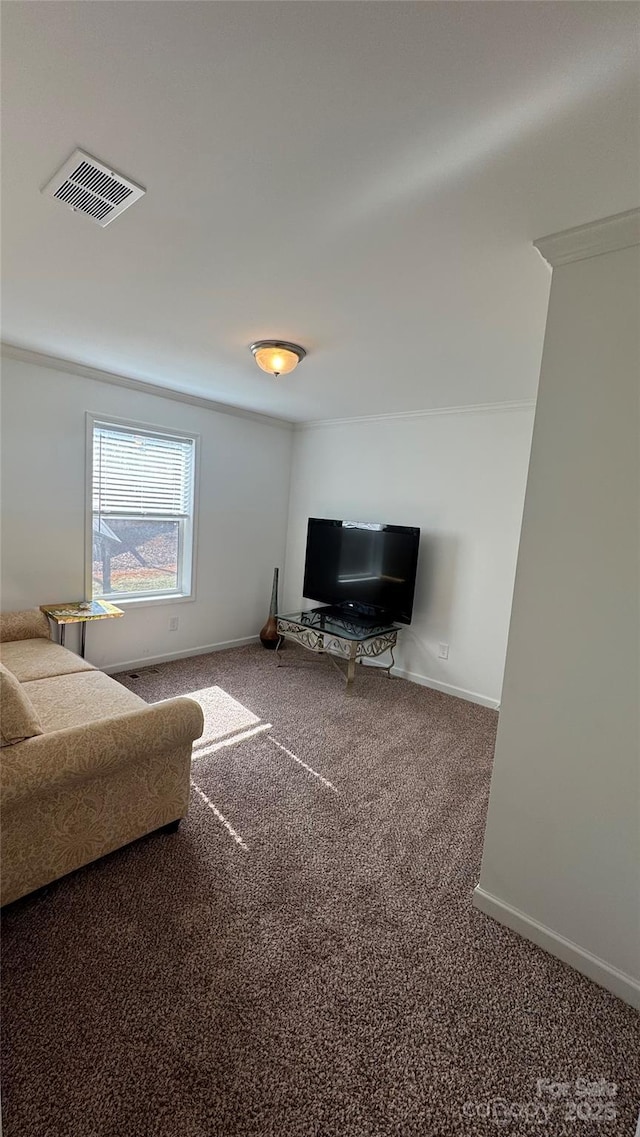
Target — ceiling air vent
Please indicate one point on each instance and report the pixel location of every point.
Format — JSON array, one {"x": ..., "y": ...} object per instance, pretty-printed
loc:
[{"x": 87, "y": 186}]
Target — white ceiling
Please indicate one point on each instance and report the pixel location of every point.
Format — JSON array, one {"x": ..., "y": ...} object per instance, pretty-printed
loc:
[{"x": 362, "y": 178}]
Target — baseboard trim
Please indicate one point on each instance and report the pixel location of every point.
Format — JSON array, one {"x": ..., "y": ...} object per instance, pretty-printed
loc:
[
  {"x": 412, "y": 676},
  {"x": 152, "y": 660},
  {"x": 447, "y": 688},
  {"x": 618, "y": 982}
]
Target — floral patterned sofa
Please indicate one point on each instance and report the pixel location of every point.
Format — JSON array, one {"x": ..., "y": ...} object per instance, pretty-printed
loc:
[{"x": 86, "y": 765}]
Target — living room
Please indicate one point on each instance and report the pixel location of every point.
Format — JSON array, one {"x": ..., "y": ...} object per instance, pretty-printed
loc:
[{"x": 313, "y": 921}]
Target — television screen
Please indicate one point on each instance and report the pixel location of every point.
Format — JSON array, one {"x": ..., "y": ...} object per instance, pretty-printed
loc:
[{"x": 362, "y": 568}]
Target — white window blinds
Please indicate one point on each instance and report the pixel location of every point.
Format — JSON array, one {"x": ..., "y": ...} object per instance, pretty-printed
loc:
[{"x": 137, "y": 472}]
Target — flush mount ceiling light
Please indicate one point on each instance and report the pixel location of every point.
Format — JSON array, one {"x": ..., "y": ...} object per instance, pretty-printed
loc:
[{"x": 277, "y": 357}]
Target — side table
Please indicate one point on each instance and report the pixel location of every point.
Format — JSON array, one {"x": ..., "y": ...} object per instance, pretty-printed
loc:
[
  {"x": 76, "y": 613},
  {"x": 339, "y": 637}
]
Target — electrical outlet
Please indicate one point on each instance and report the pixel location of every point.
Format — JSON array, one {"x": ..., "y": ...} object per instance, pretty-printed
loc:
[
  {"x": 443, "y": 651},
  {"x": 173, "y": 623}
]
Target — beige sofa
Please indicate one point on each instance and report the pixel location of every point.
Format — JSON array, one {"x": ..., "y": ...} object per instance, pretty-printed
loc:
[{"x": 87, "y": 766}]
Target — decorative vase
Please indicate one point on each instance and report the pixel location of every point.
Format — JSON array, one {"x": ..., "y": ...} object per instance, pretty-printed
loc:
[{"x": 269, "y": 635}]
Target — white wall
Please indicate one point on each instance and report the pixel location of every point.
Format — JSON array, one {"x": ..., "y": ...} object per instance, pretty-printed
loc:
[
  {"x": 461, "y": 478},
  {"x": 244, "y": 492},
  {"x": 562, "y": 848}
]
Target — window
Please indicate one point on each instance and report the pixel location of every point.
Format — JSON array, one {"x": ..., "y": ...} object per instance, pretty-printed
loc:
[{"x": 142, "y": 512}]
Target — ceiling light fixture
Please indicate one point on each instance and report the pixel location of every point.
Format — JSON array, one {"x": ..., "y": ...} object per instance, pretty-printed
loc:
[{"x": 277, "y": 357}]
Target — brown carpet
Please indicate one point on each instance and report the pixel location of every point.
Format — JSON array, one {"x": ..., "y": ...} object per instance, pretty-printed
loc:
[{"x": 302, "y": 959}]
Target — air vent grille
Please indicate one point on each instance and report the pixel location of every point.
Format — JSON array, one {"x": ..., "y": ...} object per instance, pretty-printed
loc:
[
  {"x": 78, "y": 198},
  {"x": 86, "y": 185},
  {"x": 94, "y": 179}
]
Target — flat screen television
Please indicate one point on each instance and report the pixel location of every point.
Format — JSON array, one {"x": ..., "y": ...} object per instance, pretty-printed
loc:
[{"x": 362, "y": 569}]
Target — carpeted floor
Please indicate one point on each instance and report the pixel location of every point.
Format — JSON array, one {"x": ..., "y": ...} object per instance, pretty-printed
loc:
[{"x": 302, "y": 959}]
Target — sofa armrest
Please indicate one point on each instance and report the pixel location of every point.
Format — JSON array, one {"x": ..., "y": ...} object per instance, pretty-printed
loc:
[
  {"x": 61, "y": 757},
  {"x": 30, "y": 624}
]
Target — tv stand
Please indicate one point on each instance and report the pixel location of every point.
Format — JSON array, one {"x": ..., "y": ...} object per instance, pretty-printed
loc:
[{"x": 341, "y": 638}]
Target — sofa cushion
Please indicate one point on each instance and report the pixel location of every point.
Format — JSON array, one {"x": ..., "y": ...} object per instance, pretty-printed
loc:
[
  {"x": 38, "y": 659},
  {"x": 18, "y": 718},
  {"x": 76, "y": 700},
  {"x": 25, "y": 625}
]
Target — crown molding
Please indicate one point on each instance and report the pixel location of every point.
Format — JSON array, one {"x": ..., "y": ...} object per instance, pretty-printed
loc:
[
  {"x": 607, "y": 235},
  {"x": 405, "y": 416},
  {"x": 57, "y": 363}
]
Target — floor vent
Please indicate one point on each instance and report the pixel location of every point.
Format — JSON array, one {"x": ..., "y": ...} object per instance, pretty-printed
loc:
[{"x": 86, "y": 185}]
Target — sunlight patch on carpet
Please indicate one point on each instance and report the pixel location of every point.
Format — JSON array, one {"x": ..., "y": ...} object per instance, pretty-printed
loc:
[
  {"x": 232, "y": 740},
  {"x": 309, "y": 769},
  {"x": 223, "y": 715},
  {"x": 227, "y": 824}
]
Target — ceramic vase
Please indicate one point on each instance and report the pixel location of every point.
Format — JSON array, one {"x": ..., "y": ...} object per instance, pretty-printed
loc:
[{"x": 269, "y": 635}]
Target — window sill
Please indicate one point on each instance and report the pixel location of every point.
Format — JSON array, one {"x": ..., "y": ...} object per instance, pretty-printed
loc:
[{"x": 145, "y": 601}]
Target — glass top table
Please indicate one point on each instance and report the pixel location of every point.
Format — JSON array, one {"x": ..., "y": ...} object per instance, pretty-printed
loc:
[{"x": 339, "y": 637}]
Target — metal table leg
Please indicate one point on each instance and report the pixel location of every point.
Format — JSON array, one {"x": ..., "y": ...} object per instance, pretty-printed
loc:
[
  {"x": 351, "y": 666},
  {"x": 339, "y": 650},
  {"x": 61, "y": 634},
  {"x": 83, "y": 637}
]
